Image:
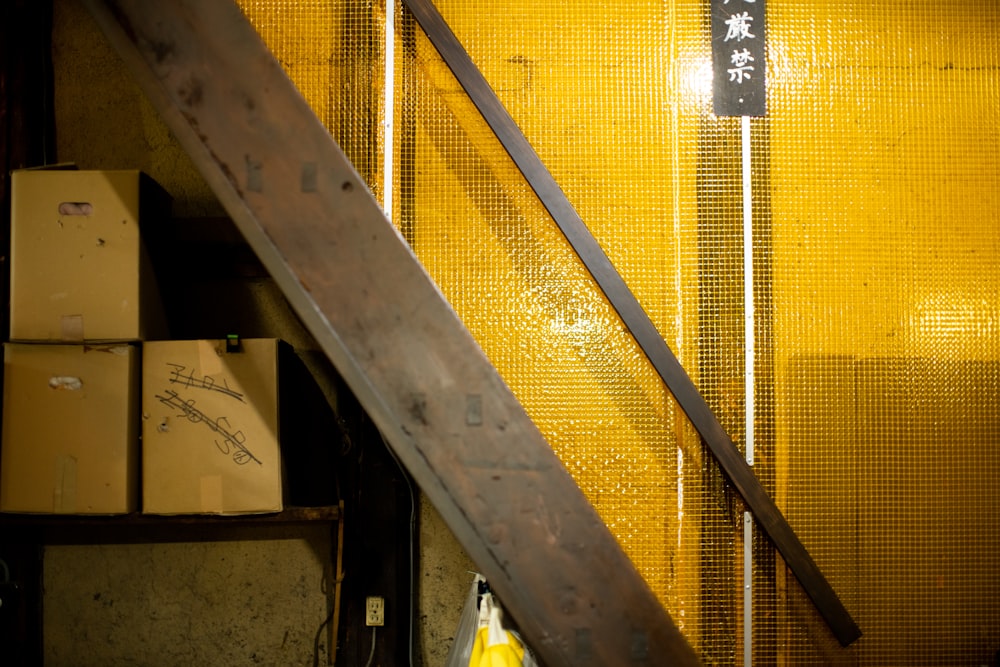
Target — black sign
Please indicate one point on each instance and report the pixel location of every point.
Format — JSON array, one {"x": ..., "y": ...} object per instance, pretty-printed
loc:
[{"x": 738, "y": 58}]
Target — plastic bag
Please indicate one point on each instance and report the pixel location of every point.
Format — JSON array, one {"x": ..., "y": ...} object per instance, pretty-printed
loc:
[
  {"x": 481, "y": 639},
  {"x": 468, "y": 625}
]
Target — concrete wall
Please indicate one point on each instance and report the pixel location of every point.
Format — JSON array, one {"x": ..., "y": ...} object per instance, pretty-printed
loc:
[{"x": 259, "y": 599}]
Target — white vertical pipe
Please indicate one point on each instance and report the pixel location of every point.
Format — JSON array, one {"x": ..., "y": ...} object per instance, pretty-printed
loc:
[
  {"x": 747, "y": 589},
  {"x": 748, "y": 289},
  {"x": 389, "y": 150},
  {"x": 748, "y": 387},
  {"x": 679, "y": 282},
  {"x": 388, "y": 140}
]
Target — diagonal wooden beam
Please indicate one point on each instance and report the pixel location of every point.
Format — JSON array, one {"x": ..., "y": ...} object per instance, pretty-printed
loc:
[
  {"x": 384, "y": 324},
  {"x": 634, "y": 317}
]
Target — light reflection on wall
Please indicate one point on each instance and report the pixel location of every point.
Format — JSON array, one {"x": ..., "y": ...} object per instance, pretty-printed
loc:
[
  {"x": 696, "y": 82},
  {"x": 954, "y": 325}
]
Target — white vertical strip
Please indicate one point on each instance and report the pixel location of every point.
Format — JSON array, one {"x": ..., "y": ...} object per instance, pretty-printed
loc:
[
  {"x": 749, "y": 361},
  {"x": 390, "y": 106},
  {"x": 675, "y": 166},
  {"x": 747, "y": 589},
  {"x": 748, "y": 304},
  {"x": 673, "y": 64}
]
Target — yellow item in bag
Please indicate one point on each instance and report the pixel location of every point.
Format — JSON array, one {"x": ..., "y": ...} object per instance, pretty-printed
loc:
[{"x": 494, "y": 646}]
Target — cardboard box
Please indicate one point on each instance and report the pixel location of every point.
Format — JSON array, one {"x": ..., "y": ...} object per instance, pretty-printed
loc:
[
  {"x": 79, "y": 268},
  {"x": 70, "y": 440},
  {"x": 210, "y": 428}
]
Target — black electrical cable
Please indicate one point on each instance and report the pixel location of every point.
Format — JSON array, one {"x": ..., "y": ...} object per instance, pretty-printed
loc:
[{"x": 412, "y": 547}]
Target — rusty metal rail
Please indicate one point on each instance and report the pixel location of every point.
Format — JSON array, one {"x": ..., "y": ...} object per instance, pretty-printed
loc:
[{"x": 389, "y": 331}]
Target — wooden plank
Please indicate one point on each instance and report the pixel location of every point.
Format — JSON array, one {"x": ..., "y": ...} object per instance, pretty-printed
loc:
[
  {"x": 138, "y": 528},
  {"x": 401, "y": 348},
  {"x": 638, "y": 323},
  {"x": 55, "y": 522}
]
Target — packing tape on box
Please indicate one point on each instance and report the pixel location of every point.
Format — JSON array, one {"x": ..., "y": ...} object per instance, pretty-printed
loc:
[
  {"x": 65, "y": 383},
  {"x": 71, "y": 327},
  {"x": 211, "y": 494},
  {"x": 64, "y": 489}
]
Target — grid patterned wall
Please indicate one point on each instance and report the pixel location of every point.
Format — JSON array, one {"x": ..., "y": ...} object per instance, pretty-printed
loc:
[
  {"x": 885, "y": 131},
  {"x": 628, "y": 162},
  {"x": 876, "y": 245}
]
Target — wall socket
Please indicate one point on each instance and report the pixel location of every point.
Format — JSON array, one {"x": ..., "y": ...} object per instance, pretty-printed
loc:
[{"x": 375, "y": 611}]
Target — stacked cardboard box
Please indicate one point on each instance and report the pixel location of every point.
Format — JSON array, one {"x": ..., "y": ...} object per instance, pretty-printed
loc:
[
  {"x": 84, "y": 307},
  {"x": 79, "y": 267},
  {"x": 82, "y": 297},
  {"x": 210, "y": 426},
  {"x": 70, "y": 433}
]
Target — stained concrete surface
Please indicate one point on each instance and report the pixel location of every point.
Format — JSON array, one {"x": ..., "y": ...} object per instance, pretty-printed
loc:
[
  {"x": 202, "y": 603},
  {"x": 104, "y": 121},
  {"x": 445, "y": 575},
  {"x": 242, "y": 602}
]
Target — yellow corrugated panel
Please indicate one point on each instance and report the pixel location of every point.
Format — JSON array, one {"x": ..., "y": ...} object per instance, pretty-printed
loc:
[
  {"x": 885, "y": 131},
  {"x": 876, "y": 239}
]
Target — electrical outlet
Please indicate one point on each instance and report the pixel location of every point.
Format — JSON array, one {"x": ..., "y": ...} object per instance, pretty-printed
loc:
[{"x": 375, "y": 611}]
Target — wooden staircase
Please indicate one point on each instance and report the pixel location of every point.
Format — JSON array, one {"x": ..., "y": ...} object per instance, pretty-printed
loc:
[{"x": 402, "y": 349}]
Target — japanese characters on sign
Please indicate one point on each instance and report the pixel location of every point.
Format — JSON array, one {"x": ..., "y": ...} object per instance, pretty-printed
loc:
[{"x": 738, "y": 86}]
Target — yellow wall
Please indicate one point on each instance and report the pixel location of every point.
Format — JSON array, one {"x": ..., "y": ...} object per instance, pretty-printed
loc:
[
  {"x": 885, "y": 126},
  {"x": 876, "y": 237},
  {"x": 884, "y": 162}
]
